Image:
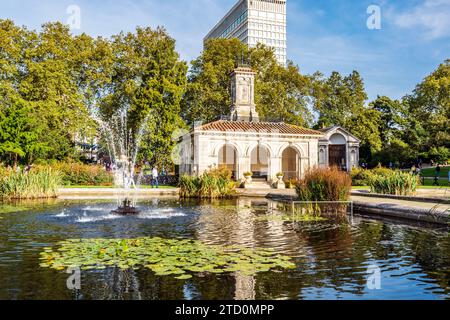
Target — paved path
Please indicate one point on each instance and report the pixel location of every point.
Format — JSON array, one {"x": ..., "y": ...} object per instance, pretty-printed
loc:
[
  {"x": 436, "y": 193},
  {"x": 404, "y": 203},
  {"x": 438, "y": 213}
]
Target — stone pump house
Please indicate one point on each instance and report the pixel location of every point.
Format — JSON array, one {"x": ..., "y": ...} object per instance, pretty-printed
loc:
[{"x": 244, "y": 144}]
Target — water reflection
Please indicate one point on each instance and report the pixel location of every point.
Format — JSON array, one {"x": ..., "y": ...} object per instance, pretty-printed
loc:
[{"x": 332, "y": 257}]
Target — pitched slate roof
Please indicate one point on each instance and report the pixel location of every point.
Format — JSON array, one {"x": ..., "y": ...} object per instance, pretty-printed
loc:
[{"x": 260, "y": 127}]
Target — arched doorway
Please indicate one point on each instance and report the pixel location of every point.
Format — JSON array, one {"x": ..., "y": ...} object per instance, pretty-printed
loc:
[
  {"x": 260, "y": 159},
  {"x": 338, "y": 151},
  {"x": 290, "y": 164},
  {"x": 228, "y": 159}
]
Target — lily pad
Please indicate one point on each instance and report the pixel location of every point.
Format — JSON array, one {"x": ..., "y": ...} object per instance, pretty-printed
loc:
[{"x": 180, "y": 258}]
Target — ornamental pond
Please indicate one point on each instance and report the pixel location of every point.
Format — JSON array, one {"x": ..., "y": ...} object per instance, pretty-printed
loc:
[{"x": 234, "y": 249}]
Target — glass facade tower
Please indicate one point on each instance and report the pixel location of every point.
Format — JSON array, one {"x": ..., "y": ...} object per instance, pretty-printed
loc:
[{"x": 253, "y": 22}]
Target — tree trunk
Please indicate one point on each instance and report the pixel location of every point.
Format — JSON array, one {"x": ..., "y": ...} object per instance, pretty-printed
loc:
[{"x": 15, "y": 161}]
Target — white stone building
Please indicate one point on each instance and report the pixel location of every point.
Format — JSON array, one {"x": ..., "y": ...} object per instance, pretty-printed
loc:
[
  {"x": 244, "y": 144},
  {"x": 339, "y": 148},
  {"x": 253, "y": 22}
]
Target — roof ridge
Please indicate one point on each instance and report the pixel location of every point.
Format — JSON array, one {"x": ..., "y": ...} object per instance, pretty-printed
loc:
[{"x": 236, "y": 126}]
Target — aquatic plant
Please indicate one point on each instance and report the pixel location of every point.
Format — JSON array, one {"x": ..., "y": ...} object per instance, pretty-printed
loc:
[
  {"x": 189, "y": 186},
  {"x": 6, "y": 208},
  {"x": 40, "y": 182},
  {"x": 394, "y": 183},
  {"x": 212, "y": 184},
  {"x": 324, "y": 184},
  {"x": 180, "y": 258},
  {"x": 360, "y": 176}
]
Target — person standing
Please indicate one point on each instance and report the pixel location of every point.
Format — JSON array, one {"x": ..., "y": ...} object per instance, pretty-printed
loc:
[
  {"x": 437, "y": 175},
  {"x": 155, "y": 178}
]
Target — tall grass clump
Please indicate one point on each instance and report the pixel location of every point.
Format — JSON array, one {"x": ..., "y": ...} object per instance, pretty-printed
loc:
[
  {"x": 324, "y": 184},
  {"x": 393, "y": 183},
  {"x": 213, "y": 184},
  {"x": 41, "y": 182},
  {"x": 189, "y": 186}
]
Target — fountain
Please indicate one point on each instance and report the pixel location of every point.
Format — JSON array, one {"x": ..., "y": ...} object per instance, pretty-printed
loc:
[
  {"x": 123, "y": 146},
  {"x": 126, "y": 209}
]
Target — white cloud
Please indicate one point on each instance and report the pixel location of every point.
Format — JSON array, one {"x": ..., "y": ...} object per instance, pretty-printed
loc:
[{"x": 432, "y": 17}]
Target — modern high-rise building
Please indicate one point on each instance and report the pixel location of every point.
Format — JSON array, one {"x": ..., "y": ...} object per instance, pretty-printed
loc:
[{"x": 255, "y": 21}]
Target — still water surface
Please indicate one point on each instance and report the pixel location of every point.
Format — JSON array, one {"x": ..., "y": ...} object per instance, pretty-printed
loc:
[{"x": 332, "y": 257}]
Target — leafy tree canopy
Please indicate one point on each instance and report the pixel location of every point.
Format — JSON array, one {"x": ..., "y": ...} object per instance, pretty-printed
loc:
[{"x": 281, "y": 94}]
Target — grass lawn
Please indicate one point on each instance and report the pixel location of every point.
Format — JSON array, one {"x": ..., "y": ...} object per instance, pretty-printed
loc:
[
  {"x": 429, "y": 183},
  {"x": 429, "y": 172},
  {"x": 421, "y": 187},
  {"x": 435, "y": 187}
]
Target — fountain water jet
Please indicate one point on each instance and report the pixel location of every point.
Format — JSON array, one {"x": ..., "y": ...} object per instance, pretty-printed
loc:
[{"x": 123, "y": 147}]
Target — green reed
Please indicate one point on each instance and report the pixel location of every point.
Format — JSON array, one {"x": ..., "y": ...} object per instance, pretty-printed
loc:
[{"x": 42, "y": 182}]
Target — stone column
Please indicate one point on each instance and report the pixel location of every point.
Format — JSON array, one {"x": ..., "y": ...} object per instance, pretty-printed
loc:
[
  {"x": 245, "y": 166},
  {"x": 276, "y": 166}
]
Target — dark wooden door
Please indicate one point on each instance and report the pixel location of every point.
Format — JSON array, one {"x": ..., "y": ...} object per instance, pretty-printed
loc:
[{"x": 337, "y": 156}]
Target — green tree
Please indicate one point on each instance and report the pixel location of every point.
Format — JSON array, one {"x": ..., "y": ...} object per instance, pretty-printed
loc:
[
  {"x": 340, "y": 101},
  {"x": 147, "y": 81},
  {"x": 281, "y": 94},
  {"x": 42, "y": 69},
  {"x": 396, "y": 151},
  {"x": 440, "y": 155},
  {"x": 365, "y": 125},
  {"x": 20, "y": 133},
  {"x": 429, "y": 105},
  {"x": 393, "y": 118}
]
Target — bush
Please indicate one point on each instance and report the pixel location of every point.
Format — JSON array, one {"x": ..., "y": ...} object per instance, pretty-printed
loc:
[
  {"x": 216, "y": 183},
  {"x": 40, "y": 182},
  {"x": 324, "y": 184},
  {"x": 393, "y": 183},
  {"x": 361, "y": 177},
  {"x": 75, "y": 174},
  {"x": 386, "y": 181}
]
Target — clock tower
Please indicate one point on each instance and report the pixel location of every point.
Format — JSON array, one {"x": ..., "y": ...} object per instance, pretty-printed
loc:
[{"x": 243, "y": 106}]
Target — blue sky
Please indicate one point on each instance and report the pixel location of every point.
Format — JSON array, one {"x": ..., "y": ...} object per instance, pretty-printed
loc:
[{"x": 323, "y": 35}]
